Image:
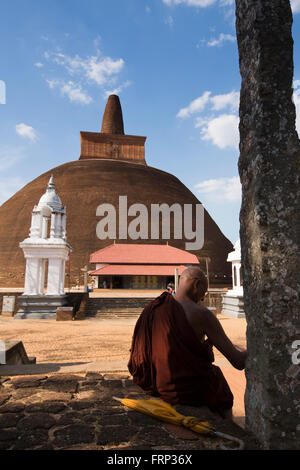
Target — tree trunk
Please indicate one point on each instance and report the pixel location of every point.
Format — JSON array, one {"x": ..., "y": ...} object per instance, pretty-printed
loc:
[{"x": 269, "y": 166}]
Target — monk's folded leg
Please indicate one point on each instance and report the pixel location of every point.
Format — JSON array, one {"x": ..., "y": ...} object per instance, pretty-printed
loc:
[{"x": 221, "y": 399}]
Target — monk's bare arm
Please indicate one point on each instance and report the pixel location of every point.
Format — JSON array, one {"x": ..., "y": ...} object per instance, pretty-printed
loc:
[{"x": 215, "y": 333}]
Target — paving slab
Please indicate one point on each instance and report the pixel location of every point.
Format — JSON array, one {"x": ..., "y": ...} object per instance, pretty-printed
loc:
[
  {"x": 76, "y": 411},
  {"x": 235, "y": 378}
]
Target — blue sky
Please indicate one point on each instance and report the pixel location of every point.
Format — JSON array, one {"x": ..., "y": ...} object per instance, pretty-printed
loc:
[{"x": 174, "y": 64}]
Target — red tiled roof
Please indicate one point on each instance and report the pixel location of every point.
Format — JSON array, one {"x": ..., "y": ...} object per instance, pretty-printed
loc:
[
  {"x": 137, "y": 270},
  {"x": 142, "y": 254}
]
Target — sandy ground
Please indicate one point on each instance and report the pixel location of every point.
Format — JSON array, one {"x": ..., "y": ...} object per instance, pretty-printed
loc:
[{"x": 88, "y": 340}]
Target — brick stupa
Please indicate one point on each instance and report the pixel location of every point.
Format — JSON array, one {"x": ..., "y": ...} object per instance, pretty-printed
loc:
[
  {"x": 111, "y": 164},
  {"x": 112, "y": 143}
]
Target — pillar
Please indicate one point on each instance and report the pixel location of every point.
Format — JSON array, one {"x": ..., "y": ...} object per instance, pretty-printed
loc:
[
  {"x": 63, "y": 224},
  {"x": 32, "y": 276},
  {"x": 270, "y": 220},
  {"x": 58, "y": 225},
  {"x": 53, "y": 225},
  {"x": 42, "y": 264},
  {"x": 54, "y": 276},
  {"x": 35, "y": 229},
  {"x": 44, "y": 227},
  {"x": 234, "y": 278},
  {"x": 62, "y": 277},
  {"x": 237, "y": 267}
]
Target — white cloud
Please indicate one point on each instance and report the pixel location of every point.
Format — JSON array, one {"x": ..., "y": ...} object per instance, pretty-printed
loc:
[
  {"x": 222, "y": 131},
  {"x": 220, "y": 190},
  {"x": 200, "y": 3},
  {"x": 147, "y": 9},
  {"x": 297, "y": 103},
  {"x": 118, "y": 90},
  {"x": 218, "y": 119},
  {"x": 191, "y": 3},
  {"x": 39, "y": 65},
  {"x": 26, "y": 131},
  {"x": 170, "y": 21},
  {"x": 225, "y": 3},
  {"x": 195, "y": 106},
  {"x": 232, "y": 100},
  {"x": 52, "y": 83},
  {"x": 75, "y": 93},
  {"x": 94, "y": 68},
  {"x": 295, "y": 4},
  {"x": 217, "y": 102},
  {"x": 220, "y": 40},
  {"x": 72, "y": 90},
  {"x": 8, "y": 187},
  {"x": 79, "y": 73},
  {"x": 100, "y": 70}
]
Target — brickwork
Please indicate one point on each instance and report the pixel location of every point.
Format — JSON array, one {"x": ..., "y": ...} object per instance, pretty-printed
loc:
[
  {"x": 112, "y": 122},
  {"x": 113, "y": 146}
]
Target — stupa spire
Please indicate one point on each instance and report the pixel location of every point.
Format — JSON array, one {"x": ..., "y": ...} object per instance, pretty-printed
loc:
[
  {"x": 112, "y": 122},
  {"x": 51, "y": 183}
]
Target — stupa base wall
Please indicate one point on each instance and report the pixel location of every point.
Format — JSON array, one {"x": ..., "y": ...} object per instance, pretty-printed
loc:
[
  {"x": 233, "y": 306},
  {"x": 39, "y": 306}
]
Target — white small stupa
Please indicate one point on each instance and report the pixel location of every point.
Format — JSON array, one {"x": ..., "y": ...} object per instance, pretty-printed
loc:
[
  {"x": 46, "y": 251},
  {"x": 233, "y": 303},
  {"x": 237, "y": 281}
]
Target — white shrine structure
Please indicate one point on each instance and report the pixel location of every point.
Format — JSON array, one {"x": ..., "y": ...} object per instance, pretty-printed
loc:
[
  {"x": 232, "y": 301},
  {"x": 46, "y": 251}
]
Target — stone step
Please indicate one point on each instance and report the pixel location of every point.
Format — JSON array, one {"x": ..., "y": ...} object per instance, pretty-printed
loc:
[
  {"x": 109, "y": 302},
  {"x": 97, "y": 307},
  {"x": 113, "y": 314},
  {"x": 136, "y": 311},
  {"x": 120, "y": 316}
]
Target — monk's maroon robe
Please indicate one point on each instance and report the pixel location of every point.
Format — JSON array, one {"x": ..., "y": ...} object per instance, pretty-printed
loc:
[{"x": 168, "y": 360}]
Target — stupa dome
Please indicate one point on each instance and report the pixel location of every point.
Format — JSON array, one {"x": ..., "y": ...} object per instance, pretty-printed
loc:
[{"x": 110, "y": 165}]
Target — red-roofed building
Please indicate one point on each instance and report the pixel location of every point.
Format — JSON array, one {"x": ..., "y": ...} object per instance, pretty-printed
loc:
[{"x": 136, "y": 266}]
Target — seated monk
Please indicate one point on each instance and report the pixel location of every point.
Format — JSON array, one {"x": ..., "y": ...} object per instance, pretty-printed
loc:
[{"x": 170, "y": 357}]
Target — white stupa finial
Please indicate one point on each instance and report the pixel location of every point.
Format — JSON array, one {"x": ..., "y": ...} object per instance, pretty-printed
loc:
[
  {"x": 50, "y": 198},
  {"x": 237, "y": 245},
  {"x": 51, "y": 184}
]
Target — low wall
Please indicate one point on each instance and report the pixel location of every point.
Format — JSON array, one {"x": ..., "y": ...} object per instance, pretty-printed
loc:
[
  {"x": 77, "y": 300},
  {"x": 214, "y": 299}
]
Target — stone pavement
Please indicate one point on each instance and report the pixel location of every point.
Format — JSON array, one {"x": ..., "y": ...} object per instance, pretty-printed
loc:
[
  {"x": 235, "y": 378},
  {"x": 76, "y": 411}
]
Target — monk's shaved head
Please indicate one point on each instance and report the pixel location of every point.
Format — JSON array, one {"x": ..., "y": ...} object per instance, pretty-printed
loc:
[
  {"x": 192, "y": 272},
  {"x": 193, "y": 282}
]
